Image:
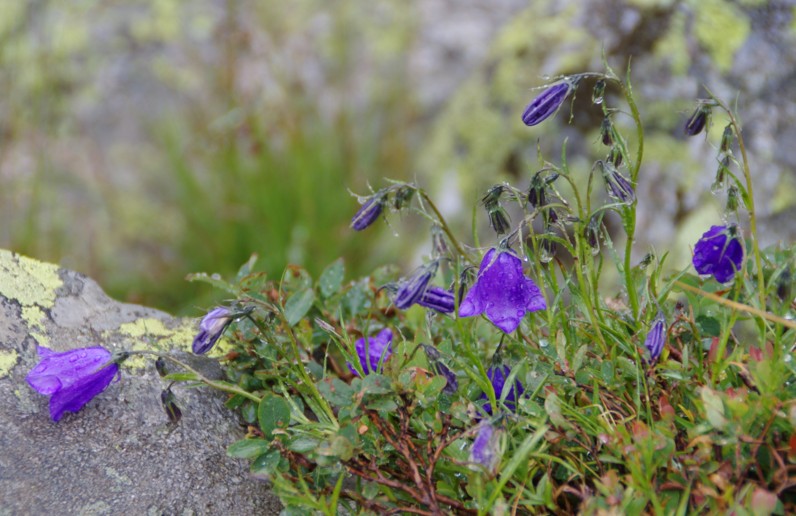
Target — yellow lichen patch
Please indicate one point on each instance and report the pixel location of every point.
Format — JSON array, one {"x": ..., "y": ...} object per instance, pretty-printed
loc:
[
  {"x": 28, "y": 281},
  {"x": 152, "y": 334},
  {"x": 8, "y": 359},
  {"x": 721, "y": 29},
  {"x": 34, "y": 316}
]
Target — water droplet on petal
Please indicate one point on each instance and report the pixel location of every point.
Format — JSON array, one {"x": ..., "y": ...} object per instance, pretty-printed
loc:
[
  {"x": 83, "y": 354},
  {"x": 73, "y": 358},
  {"x": 40, "y": 368}
]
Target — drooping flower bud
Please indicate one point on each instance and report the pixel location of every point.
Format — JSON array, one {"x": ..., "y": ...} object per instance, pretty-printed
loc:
[
  {"x": 615, "y": 156},
  {"x": 402, "y": 196},
  {"x": 368, "y": 212},
  {"x": 593, "y": 230},
  {"x": 210, "y": 329},
  {"x": 435, "y": 360},
  {"x": 656, "y": 338},
  {"x": 727, "y": 138},
  {"x": 547, "y": 103},
  {"x": 437, "y": 298},
  {"x": 697, "y": 121},
  {"x": 411, "y": 289},
  {"x": 606, "y": 131},
  {"x": 616, "y": 184},
  {"x": 160, "y": 367},
  {"x": 733, "y": 199},
  {"x": 169, "y": 402},
  {"x": 498, "y": 218}
]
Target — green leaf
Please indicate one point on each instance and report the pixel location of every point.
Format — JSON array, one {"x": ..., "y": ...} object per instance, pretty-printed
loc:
[
  {"x": 298, "y": 305},
  {"x": 247, "y": 267},
  {"x": 181, "y": 377},
  {"x": 303, "y": 444},
  {"x": 266, "y": 464},
  {"x": 714, "y": 408},
  {"x": 332, "y": 278},
  {"x": 336, "y": 391},
  {"x": 273, "y": 413},
  {"x": 248, "y": 448},
  {"x": 214, "y": 280},
  {"x": 376, "y": 384},
  {"x": 708, "y": 326}
]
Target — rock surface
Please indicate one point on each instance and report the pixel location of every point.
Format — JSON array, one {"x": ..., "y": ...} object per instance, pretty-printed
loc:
[{"x": 117, "y": 455}]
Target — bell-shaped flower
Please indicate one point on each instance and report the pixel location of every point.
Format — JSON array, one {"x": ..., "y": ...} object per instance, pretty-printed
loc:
[
  {"x": 656, "y": 338},
  {"x": 486, "y": 447},
  {"x": 72, "y": 378},
  {"x": 502, "y": 292},
  {"x": 497, "y": 376},
  {"x": 437, "y": 298},
  {"x": 210, "y": 329},
  {"x": 373, "y": 351},
  {"x": 719, "y": 253}
]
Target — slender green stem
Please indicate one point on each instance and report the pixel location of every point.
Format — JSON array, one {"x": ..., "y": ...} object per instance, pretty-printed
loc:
[
  {"x": 229, "y": 388},
  {"x": 443, "y": 223}
]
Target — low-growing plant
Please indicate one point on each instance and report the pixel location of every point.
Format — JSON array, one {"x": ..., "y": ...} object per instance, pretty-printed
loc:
[{"x": 497, "y": 377}]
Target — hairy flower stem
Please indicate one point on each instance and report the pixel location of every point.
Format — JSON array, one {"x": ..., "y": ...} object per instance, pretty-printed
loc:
[
  {"x": 749, "y": 199},
  {"x": 228, "y": 388},
  {"x": 444, "y": 225}
]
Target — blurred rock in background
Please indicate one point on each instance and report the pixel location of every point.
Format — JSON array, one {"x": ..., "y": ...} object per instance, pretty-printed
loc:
[{"x": 141, "y": 141}]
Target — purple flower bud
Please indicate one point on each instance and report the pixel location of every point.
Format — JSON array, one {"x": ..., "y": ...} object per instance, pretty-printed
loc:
[
  {"x": 617, "y": 186},
  {"x": 373, "y": 352},
  {"x": 411, "y": 289},
  {"x": 606, "y": 131},
  {"x": 368, "y": 212},
  {"x": 439, "y": 299},
  {"x": 697, "y": 121},
  {"x": 719, "y": 253},
  {"x": 502, "y": 291},
  {"x": 546, "y": 104},
  {"x": 434, "y": 358},
  {"x": 499, "y": 220},
  {"x": 486, "y": 447},
  {"x": 211, "y": 328},
  {"x": 727, "y": 137},
  {"x": 656, "y": 338},
  {"x": 169, "y": 402},
  {"x": 72, "y": 378},
  {"x": 498, "y": 376}
]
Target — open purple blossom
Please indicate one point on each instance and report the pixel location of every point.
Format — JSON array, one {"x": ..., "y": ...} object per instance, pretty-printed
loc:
[
  {"x": 547, "y": 103},
  {"x": 437, "y": 298},
  {"x": 373, "y": 351},
  {"x": 486, "y": 447},
  {"x": 497, "y": 376},
  {"x": 617, "y": 186},
  {"x": 72, "y": 378},
  {"x": 368, "y": 212},
  {"x": 719, "y": 253},
  {"x": 211, "y": 328},
  {"x": 656, "y": 338},
  {"x": 502, "y": 292}
]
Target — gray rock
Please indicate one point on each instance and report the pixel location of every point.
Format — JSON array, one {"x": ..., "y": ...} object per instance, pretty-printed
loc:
[{"x": 117, "y": 455}]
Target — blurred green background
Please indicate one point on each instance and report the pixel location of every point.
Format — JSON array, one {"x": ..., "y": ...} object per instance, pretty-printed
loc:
[{"x": 144, "y": 140}]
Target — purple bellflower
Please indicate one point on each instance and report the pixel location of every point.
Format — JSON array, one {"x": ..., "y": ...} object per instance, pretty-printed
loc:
[
  {"x": 656, "y": 338},
  {"x": 497, "y": 376},
  {"x": 368, "y": 212},
  {"x": 486, "y": 447},
  {"x": 411, "y": 289},
  {"x": 547, "y": 103},
  {"x": 375, "y": 353},
  {"x": 697, "y": 121},
  {"x": 437, "y": 298},
  {"x": 211, "y": 328},
  {"x": 617, "y": 186},
  {"x": 719, "y": 252},
  {"x": 72, "y": 378},
  {"x": 502, "y": 292}
]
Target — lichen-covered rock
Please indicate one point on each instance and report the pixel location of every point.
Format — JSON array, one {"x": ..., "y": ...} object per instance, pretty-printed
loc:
[{"x": 117, "y": 455}]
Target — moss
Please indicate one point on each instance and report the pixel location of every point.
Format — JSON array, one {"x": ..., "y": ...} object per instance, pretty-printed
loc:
[
  {"x": 721, "y": 29},
  {"x": 8, "y": 359}
]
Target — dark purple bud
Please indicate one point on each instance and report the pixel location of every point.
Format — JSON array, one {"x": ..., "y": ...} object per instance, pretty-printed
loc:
[
  {"x": 411, "y": 289},
  {"x": 727, "y": 138},
  {"x": 697, "y": 121},
  {"x": 434, "y": 359},
  {"x": 656, "y": 338},
  {"x": 368, "y": 212},
  {"x": 593, "y": 231},
  {"x": 719, "y": 253},
  {"x": 169, "y": 402},
  {"x": 437, "y": 298},
  {"x": 486, "y": 447},
  {"x": 615, "y": 156},
  {"x": 438, "y": 240},
  {"x": 598, "y": 93},
  {"x": 546, "y": 104},
  {"x": 373, "y": 352},
  {"x": 617, "y": 186},
  {"x": 499, "y": 220},
  {"x": 72, "y": 378},
  {"x": 160, "y": 367},
  {"x": 492, "y": 197},
  {"x": 785, "y": 286},
  {"x": 606, "y": 131},
  {"x": 211, "y": 328}
]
